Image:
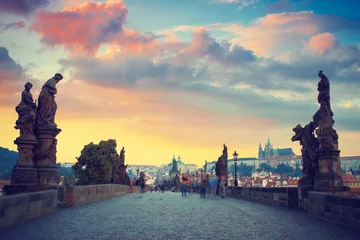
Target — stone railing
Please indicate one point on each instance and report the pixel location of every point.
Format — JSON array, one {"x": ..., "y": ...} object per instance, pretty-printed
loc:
[
  {"x": 278, "y": 196},
  {"x": 339, "y": 209},
  {"x": 78, "y": 195},
  {"x": 18, "y": 208}
]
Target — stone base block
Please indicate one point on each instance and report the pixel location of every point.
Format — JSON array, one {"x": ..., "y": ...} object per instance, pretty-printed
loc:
[
  {"x": 328, "y": 183},
  {"x": 22, "y": 188},
  {"x": 22, "y": 174},
  {"x": 48, "y": 175}
]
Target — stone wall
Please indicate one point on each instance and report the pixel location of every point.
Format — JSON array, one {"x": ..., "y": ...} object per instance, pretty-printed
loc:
[
  {"x": 338, "y": 209},
  {"x": 277, "y": 196},
  {"x": 79, "y": 195},
  {"x": 18, "y": 208}
]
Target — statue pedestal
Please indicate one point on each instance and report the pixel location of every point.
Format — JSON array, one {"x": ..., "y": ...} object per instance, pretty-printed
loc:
[
  {"x": 24, "y": 174},
  {"x": 24, "y": 171},
  {"x": 122, "y": 174},
  {"x": 45, "y": 156},
  {"x": 327, "y": 179}
]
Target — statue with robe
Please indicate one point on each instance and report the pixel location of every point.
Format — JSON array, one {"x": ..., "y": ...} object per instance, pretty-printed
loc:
[
  {"x": 122, "y": 157},
  {"x": 46, "y": 105},
  {"x": 324, "y": 91},
  {"x": 26, "y": 111}
]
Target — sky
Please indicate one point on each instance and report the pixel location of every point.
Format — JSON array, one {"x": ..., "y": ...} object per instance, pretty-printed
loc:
[{"x": 182, "y": 77}]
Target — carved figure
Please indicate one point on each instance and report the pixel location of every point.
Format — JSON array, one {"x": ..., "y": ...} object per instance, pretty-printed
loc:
[
  {"x": 46, "y": 105},
  {"x": 26, "y": 111},
  {"x": 225, "y": 152},
  {"x": 325, "y": 133},
  {"x": 324, "y": 91},
  {"x": 122, "y": 156},
  {"x": 309, "y": 144}
]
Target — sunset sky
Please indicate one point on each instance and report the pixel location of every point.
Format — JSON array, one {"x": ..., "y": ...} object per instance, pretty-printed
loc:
[{"x": 182, "y": 77}]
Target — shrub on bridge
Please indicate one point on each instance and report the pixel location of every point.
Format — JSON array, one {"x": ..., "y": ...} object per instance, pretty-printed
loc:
[{"x": 96, "y": 164}]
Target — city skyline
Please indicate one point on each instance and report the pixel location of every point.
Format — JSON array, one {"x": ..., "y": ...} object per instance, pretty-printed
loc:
[{"x": 182, "y": 76}]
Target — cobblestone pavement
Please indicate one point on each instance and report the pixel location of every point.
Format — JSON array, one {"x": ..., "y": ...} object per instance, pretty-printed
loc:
[{"x": 171, "y": 216}]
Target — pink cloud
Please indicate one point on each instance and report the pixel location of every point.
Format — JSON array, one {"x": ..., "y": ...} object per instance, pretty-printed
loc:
[
  {"x": 14, "y": 25},
  {"x": 22, "y": 7},
  {"x": 278, "y": 34},
  {"x": 83, "y": 28},
  {"x": 322, "y": 42}
]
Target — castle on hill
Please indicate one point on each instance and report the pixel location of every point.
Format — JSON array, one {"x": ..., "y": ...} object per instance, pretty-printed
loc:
[{"x": 270, "y": 153}]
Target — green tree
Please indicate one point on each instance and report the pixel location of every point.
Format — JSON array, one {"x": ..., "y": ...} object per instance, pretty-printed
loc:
[
  {"x": 266, "y": 167},
  {"x": 245, "y": 170},
  {"x": 297, "y": 172},
  {"x": 96, "y": 163},
  {"x": 284, "y": 169}
]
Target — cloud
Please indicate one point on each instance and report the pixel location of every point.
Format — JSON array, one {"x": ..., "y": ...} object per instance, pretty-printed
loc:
[
  {"x": 322, "y": 42},
  {"x": 339, "y": 64},
  {"x": 13, "y": 25},
  {"x": 83, "y": 28},
  {"x": 241, "y": 3},
  {"x": 11, "y": 74},
  {"x": 22, "y": 7},
  {"x": 283, "y": 32}
]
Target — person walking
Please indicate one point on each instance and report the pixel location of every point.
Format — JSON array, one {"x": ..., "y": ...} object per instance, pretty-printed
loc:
[
  {"x": 212, "y": 185},
  {"x": 203, "y": 187},
  {"x": 208, "y": 189},
  {"x": 184, "y": 185},
  {"x": 222, "y": 187}
]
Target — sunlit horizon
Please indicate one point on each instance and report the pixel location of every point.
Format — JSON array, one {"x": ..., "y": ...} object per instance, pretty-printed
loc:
[{"x": 183, "y": 78}]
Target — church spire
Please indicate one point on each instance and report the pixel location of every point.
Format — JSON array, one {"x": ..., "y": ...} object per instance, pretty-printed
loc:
[{"x": 260, "y": 151}]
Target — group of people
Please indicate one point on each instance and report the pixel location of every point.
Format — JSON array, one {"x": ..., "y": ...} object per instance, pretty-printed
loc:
[{"x": 208, "y": 186}]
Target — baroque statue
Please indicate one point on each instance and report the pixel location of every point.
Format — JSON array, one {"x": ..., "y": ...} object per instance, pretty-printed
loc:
[
  {"x": 319, "y": 142},
  {"x": 26, "y": 111},
  {"x": 324, "y": 91},
  {"x": 46, "y": 105},
  {"x": 324, "y": 124},
  {"x": 122, "y": 156},
  {"x": 309, "y": 144}
]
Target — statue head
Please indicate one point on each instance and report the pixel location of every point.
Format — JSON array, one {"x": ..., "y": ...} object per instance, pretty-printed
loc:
[
  {"x": 58, "y": 77},
  {"x": 320, "y": 74},
  {"x": 28, "y": 86}
]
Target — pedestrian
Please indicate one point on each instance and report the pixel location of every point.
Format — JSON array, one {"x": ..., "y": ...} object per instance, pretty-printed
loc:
[
  {"x": 203, "y": 187},
  {"x": 222, "y": 187},
  {"x": 213, "y": 184},
  {"x": 184, "y": 185},
  {"x": 208, "y": 189}
]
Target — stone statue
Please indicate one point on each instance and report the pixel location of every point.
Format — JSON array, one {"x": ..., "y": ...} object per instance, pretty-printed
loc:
[
  {"x": 46, "y": 105},
  {"x": 320, "y": 154},
  {"x": 324, "y": 91},
  {"x": 122, "y": 156},
  {"x": 26, "y": 111},
  {"x": 323, "y": 122},
  {"x": 205, "y": 166},
  {"x": 309, "y": 145},
  {"x": 225, "y": 152}
]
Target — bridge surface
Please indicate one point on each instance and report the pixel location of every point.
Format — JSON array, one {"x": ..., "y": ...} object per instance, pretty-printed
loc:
[{"x": 170, "y": 216}]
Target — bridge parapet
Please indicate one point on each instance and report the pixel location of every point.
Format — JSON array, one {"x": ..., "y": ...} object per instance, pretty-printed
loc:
[
  {"x": 78, "y": 195},
  {"x": 338, "y": 209},
  {"x": 277, "y": 196},
  {"x": 15, "y": 209}
]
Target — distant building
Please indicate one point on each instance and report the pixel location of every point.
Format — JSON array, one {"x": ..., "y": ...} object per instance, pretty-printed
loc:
[
  {"x": 353, "y": 182},
  {"x": 350, "y": 163},
  {"x": 269, "y": 152},
  {"x": 67, "y": 164}
]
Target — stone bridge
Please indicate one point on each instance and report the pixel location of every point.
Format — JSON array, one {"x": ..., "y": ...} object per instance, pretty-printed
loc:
[{"x": 170, "y": 216}]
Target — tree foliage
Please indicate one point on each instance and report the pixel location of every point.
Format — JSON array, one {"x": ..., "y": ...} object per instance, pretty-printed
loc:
[
  {"x": 8, "y": 159},
  {"x": 96, "y": 165},
  {"x": 243, "y": 170}
]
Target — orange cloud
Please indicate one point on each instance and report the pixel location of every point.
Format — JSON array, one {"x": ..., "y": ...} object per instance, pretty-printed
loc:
[
  {"x": 350, "y": 105},
  {"x": 83, "y": 28},
  {"x": 322, "y": 42}
]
